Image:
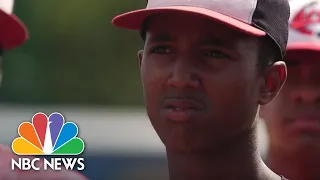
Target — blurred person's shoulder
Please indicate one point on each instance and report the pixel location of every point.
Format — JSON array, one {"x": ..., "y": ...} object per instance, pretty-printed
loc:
[{"x": 6, "y": 173}]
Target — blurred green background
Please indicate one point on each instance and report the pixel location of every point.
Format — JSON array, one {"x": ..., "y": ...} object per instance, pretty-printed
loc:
[{"x": 74, "y": 55}]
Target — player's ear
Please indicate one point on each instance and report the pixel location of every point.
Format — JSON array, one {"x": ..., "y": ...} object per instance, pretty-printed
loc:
[
  {"x": 140, "y": 55},
  {"x": 273, "y": 79}
]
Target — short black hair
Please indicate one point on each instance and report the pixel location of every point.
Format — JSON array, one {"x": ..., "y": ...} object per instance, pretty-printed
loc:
[
  {"x": 268, "y": 53},
  {"x": 144, "y": 26}
]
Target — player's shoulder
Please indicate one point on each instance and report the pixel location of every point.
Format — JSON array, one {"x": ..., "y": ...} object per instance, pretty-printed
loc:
[{"x": 6, "y": 155}]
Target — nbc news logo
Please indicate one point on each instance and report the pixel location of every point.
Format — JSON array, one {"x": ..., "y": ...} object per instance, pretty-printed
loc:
[{"x": 48, "y": 136}]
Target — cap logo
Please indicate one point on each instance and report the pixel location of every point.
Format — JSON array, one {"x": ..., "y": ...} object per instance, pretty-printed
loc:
[{"x": 307, "y": 20}]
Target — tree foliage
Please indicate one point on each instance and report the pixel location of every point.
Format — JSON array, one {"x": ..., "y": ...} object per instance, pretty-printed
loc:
[{"x": 74, "y": 55}]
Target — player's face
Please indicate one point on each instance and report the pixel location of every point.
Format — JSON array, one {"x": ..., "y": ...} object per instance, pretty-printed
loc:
[
  {"x": 200, "y": 80},
  {"x": 293, "y": 118}
]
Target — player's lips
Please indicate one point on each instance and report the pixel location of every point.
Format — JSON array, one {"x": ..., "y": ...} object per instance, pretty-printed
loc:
[
  {"x": 182, "y": 109},
  {"x": 305, "y": 123}
]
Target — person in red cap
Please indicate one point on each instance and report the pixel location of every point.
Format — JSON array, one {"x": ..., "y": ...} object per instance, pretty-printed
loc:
[
  {"x": 13, "y": 33},
  {"x": 293, "y": 117},
  {"x": 206, "y": 67}
]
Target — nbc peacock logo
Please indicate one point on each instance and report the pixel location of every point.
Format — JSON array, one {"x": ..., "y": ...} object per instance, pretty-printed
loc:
[{"x": 47, "y": 135}]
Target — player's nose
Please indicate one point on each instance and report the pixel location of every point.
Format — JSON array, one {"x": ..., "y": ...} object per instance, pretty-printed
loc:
[
  {"x": 307, "y": 93},
  {"x": 183, "y": 75},
  {"x": 307, "y": 90}
]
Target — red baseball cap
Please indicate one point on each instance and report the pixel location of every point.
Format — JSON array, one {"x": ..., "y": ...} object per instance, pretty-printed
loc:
[
  {"x": 255, "y": 17},
  {"x": 304, "y": 26},
  {"x": 13, "y": 32}
]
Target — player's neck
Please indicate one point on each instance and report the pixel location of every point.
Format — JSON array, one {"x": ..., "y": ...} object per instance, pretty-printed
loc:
[
  {"x": 294, "y": 165},
  {"x": 240, "y": 159}
]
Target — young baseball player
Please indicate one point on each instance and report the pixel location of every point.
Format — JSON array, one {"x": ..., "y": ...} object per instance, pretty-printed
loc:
[{"x": 206, "y": 67}]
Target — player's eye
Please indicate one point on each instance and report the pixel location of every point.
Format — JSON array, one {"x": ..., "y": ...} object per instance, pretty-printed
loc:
[
  {"x": 161, "y": 50},
  {"x": 215, "y": 54}
]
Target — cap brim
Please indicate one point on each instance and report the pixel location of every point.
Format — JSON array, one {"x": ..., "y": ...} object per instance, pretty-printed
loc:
[
  {"x": 133, "y": 20},
  {"x": 302, "y": 51},
  {"x": 13, "y": 32},
  {"x": 303, "y": 46}
]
